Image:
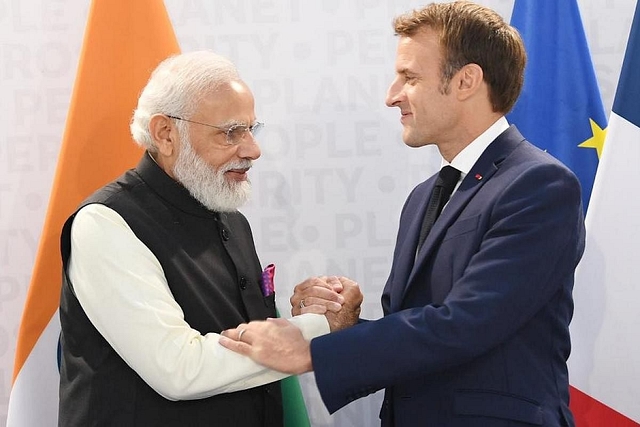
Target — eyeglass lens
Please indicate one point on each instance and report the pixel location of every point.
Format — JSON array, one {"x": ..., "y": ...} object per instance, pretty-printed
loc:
[{"x": 237, "y": 133}]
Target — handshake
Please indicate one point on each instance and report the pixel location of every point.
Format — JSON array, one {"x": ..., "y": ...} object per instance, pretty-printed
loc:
[
  {"x": 279, "y": 344},
  {"x": 338, "y": 298}
]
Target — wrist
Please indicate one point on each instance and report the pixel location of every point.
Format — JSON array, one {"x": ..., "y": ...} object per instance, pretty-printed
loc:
[{"x": 306, "y": 364}]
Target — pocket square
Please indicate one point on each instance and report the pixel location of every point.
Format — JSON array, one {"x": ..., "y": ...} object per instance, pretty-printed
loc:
[{"x": 266, "y": 283}]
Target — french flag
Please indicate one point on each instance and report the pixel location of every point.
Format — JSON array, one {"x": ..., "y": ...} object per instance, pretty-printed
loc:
[{"x": 604, "y": 365}]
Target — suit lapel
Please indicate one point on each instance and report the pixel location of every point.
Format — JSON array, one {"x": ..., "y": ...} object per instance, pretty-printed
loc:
[
  {"x": 481, "y": 172},
  {"x": 405, "y": 252}
]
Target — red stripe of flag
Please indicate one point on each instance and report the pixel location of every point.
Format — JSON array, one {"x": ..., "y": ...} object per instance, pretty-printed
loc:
[{"x": 588, "y": 412}]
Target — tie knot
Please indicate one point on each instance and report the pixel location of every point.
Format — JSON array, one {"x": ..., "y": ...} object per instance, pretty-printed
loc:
[{"x": 449, "y": 176}]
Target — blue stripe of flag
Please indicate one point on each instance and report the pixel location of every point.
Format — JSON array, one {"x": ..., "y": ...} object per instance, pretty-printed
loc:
[{"x": 627, "y": 101}]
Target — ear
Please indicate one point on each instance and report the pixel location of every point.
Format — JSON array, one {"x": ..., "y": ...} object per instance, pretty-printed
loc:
[
  {"x": 164, "y": 134},
  {"x": 469, "y": 80}
]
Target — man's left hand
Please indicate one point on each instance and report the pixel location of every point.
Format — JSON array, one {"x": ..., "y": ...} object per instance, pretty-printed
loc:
[{"x": 274, "y": 343}]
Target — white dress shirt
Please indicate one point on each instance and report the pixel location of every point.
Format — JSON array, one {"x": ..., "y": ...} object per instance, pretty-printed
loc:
[
  {"x": 468, "y": 157},
  {"x": 123, "y": 290}
]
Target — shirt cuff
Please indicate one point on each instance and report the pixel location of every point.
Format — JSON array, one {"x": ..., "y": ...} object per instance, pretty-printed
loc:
[{"x": 311, "y": 325}]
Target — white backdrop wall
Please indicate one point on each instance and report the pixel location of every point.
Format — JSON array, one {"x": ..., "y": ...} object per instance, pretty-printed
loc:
[{"x": 334, "y": 171}]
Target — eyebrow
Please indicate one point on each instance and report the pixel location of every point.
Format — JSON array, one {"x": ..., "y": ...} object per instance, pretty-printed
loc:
[
  {"x": 406, "y": 72},
  {"x": 231, "y": 123}
]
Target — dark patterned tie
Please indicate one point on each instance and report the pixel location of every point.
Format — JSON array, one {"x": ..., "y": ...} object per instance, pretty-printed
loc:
[{"x": 446, "y": 182}]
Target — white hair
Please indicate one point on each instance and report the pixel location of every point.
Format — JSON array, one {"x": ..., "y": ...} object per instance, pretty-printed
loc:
[{"x": 176, "y": 87}]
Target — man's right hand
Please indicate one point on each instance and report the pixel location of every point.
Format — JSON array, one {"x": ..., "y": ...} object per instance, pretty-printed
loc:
[
  {"x": 338, "y": 298},
  {"x": 317, "y": 295},
  {"x": 350, "y": 312}
]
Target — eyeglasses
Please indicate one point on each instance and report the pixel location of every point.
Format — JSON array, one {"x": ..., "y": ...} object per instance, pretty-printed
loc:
[{"x": 235, "y": 133}]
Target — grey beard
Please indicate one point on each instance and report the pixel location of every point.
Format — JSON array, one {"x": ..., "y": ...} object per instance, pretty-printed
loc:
[{"x": 208, "y": 185}]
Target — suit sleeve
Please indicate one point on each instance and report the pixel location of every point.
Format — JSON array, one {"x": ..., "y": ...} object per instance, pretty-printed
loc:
[{"x": 529, "y": 239}]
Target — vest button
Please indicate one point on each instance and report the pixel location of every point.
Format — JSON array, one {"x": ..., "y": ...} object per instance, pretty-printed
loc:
[
  {"x": 225, "y": 234},
  {"x": 243, "y": 283}
]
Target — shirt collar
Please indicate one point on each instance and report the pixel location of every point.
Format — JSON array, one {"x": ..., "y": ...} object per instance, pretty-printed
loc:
[{"x": 465, "y": 159}]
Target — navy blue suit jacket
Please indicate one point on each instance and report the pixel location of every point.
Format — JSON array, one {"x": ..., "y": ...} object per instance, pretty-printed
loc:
[{"x": 475, "y": 328}]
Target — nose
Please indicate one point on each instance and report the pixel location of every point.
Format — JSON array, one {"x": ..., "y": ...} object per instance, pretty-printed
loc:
[
  {"x": 249, "y": 147},
  {"x": 393, "y": 93}
]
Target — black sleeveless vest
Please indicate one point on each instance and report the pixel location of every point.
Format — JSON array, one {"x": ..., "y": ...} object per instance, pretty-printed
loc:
[{"x": 213, "y": 271}]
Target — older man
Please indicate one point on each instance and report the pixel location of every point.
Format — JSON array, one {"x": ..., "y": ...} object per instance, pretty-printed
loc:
[{"x": 159, "y": 261}]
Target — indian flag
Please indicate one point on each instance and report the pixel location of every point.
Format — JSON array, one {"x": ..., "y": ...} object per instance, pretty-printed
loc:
[{"x": 124, "y": 41}]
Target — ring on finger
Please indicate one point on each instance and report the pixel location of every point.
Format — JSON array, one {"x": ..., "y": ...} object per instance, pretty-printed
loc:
[
  {"x": 302, "y": 303},
  {"x": 242, "y": 331}
]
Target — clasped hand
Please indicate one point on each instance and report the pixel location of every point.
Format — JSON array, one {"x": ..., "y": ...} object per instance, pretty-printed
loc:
[
  {"x": 338, "y": 298},
  {"x": 279, "y": 345}
]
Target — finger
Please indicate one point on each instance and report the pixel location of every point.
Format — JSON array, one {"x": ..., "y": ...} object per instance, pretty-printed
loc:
[
  {"x": 335, "y": 283},
  {"x": 296, "y": 297},
  {"x": 314, "y": 308},
  {"x": 301, "y": 297},
  {"x": 352, "y": 294},
  {"x": 315, "y": 305},
  {"x": 295, "y": 301},
  {"x": 309, "y": 283},
  {"x": 235, "y": 346},
  {"x": 315, "y": 301},
  {"x": 234, "y": 333},
  {"x": 347, "y": 282},
  {"x": 322, "y": 293},
  {"x": 296, "y": 307}
]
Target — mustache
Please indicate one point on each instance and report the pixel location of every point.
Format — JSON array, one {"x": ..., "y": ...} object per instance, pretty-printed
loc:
[{"x": 237, "y": 164}]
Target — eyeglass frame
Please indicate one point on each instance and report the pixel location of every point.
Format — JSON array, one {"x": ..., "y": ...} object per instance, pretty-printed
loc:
[{"x": 253, "y": 129}]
